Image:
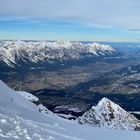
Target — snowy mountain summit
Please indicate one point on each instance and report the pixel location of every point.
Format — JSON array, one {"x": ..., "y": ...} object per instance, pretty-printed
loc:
[
  {"x": 17, "y": 53},
  {"x": 109, "y": 114}
]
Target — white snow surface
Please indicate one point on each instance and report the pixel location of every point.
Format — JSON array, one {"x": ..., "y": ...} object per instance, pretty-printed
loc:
[
  {"x": 21, "y": 120},
  {"x": 34, "y": 99},
  {"x": 66, "y": 107},
  {"x": 28, "y": 96},
  {"x": 44, "y": 51}
]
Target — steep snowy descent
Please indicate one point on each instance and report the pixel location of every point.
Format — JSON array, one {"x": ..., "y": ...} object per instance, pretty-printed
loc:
[
  {"x": 109, "y": 114},
  {"x": 35, "y": 100},
  {"x": 13, "y": 52},
  {"x": 28, "y": 96},
  {"x": 20, "y": 119}
]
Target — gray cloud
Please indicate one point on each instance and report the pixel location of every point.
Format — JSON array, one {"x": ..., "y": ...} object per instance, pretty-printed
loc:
[
  {"x": 134, "y": 30},
  {"x": 119, "y": 13}
]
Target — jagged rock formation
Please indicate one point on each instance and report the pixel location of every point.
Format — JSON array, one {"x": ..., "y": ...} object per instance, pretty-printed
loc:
[{"x": 109, "y": 114}]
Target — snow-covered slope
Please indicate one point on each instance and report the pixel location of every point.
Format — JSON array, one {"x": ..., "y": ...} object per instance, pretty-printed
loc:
[
  {"x": 35, "y": 100},
  {"x": 20, "y": 119},
  {"x": 13, "y": 52},
  {"x": 109, "y": 114},
  {"x": 28, "y": 96}
]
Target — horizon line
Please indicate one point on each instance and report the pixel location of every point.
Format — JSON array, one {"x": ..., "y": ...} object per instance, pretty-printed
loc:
[{"x": 69, "y": 40}]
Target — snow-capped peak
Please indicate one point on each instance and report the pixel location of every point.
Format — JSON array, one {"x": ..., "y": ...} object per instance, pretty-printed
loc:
[
  {"x": 107, "y": 104},
  {"x": 109, "y": 114},
  {"x": 64, "y": 43}
]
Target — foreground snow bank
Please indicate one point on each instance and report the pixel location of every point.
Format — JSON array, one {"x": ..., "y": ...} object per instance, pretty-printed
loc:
[{"x": 20, "y": 119}]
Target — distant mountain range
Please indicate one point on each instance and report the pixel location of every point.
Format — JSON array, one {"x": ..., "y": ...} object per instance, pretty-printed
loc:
[{"x": 29, "y": 53}]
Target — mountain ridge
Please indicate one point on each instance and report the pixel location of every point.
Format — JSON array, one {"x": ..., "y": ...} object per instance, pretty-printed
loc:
[{"x": 12, "y": 53}]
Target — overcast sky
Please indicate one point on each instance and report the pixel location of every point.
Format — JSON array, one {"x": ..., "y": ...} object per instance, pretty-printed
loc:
[{"x": 105, "y": 20}]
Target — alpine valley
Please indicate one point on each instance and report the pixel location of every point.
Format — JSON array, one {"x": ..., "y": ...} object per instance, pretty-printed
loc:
[
  {"x": 71, "y": 87},
  {"x": 69, "y": 70}
]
